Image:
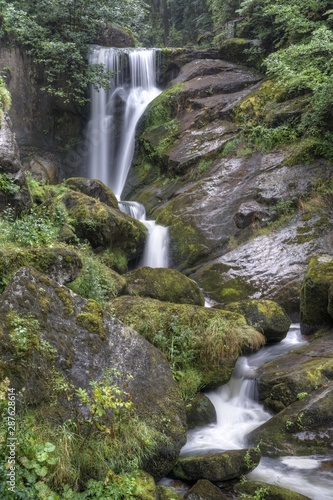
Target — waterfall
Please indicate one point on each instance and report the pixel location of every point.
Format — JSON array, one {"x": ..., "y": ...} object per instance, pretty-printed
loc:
[{"x": 111, "y": 132}]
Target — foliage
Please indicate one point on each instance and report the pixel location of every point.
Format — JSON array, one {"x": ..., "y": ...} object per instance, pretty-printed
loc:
[
  {"x": 56, "y": 33},
  {"x": 7, "y": 184}
]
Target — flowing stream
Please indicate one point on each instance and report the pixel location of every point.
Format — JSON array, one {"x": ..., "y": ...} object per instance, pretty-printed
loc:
[
  {"x": 238, "y": 413},
  {"x": 111, "y": 132}
]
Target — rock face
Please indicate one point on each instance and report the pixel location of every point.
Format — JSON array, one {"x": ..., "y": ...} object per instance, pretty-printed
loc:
[
  {"x": 315, "y": 308},
  {"x": 264, "y": 315},
  {"x": 13, "y": 187},
  {"x": 164, "y": 284},
  {"x": 216, "y": 467},
  {"x": 85, "y": 341}
]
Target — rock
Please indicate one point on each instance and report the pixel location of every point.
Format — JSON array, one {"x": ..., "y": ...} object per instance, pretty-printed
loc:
[
  {"x": 14, "y": 191},
  {"x": 303, "y": 428},
  {"x": 60, "y": 264},
  {"x": 164, "y": 284},
  {"x": 114, "y": 36},
  {"x": 94, "y": 188},
  {"x": 330, "y": 301},
  {"x": 250, "y": 213},
  {"x": 44, "y": 169},
  {"x": 200, "y": 411},
  {"x": 195, "y": 337},
  {"x": 314, "y": 294},
  {"x": 237, "y": 50},
  {"x": 217, "y": 466},
  {"x": 295, "y": 375},
  {"x": 86, "y": 341},
  {"x": 264, "y": 315},
  {"x": 271, "y": 491},
  {"x": 145, "y": 487},
  {"x": 205, "y": 490},
  {"x": 104, "y": 226},
  {"x": 166, "y": 493},
  {"x": 268, "y": 266}
]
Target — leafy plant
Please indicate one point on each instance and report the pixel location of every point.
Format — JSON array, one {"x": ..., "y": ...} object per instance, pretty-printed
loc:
[{"x": 7, "y": 184}]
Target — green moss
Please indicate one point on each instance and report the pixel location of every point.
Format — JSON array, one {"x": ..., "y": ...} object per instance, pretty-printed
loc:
[
  {"x": 65, "y": 297},
  {"x": 221, "y": 287},
  {"x": 91, "y": 318}
]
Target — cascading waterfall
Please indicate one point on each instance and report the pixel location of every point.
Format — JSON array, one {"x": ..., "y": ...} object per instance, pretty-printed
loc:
[
  {"x": 238, "y": 413},
  {"x": 111, "y": 132}
]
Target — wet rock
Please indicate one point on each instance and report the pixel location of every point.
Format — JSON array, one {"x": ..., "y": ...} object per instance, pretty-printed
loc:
[
  {"x": 271, "y": 491},
  {"x": 264, "y": 315},
  {"x": 303, "y": 428},
  {"x": 200, "y": 411},
  {"x": 78, "y": 339},
  {"x": 60, "y": 264},
  {"x": 295, "y": 375},
  {"x": 94, "y": 188},
  {"x": 210, "y": 340},
  {"x": 205, "y": 490},
  {"x": 314, "y": 294},
  {"x": 216, "y": 467},
  {"x": 250, "y": 213},
  {"x": 104, "y": 226},
  {"x": 269, "y": 266},
  {"x": 164, "y": 284}
]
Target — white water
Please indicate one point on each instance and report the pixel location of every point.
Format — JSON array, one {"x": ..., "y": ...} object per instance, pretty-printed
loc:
[
  {"x": 111, "y": 132},
  {"x": 238, "y": 413}
]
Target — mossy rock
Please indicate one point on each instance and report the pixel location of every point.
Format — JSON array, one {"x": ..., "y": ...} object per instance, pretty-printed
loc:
[
  {"x": 164, "y": 284},
  {"x": 269, "y": 491},
  {"x": 205, "y": 339},
  {"x": 94, "y": 188},
  {"x": 204, "y": 490},
  {"x": 314, "y": 294},
  {"x": 220, "y": 286},
  {"x": 303, "y": 428},
  {"x": 104, "y": 226},
  {"x": 217, "y": 466},
  {"x": 166, "y": 493},
  {"x": 264, "y": 315},
  {"x": 145, "y": 487},
  {"x": 61, "y": 264},
  {"x": 200, "y": 411},
  {"x": 237, "y": 50}
]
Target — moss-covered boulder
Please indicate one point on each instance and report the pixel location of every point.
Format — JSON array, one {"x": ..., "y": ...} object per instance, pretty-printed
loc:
[
  {"x": 295, "y": 375},
  {"x": 200, "y": 411},
  {"x": 61, "y": 264},
  {"x": 217, "y": 466},
  {"x": 164, "y": 284},
  {"x": 271, "y": 491},
  {"x": 104, "y": 226},
  {"x": 52, "y": 340},
  {"x": 192, "y": 337},
  {"x": 303, "y": 428},
  {"x": 94, "y": 188},
  {"x": 204, "y": 490},
  {"x": 264, "y": 315},
  {"x": 166, "y": 493},
  {"x": 314, "y": 294}
]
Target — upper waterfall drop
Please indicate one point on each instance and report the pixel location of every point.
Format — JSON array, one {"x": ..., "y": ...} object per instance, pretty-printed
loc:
[{"x": 116, "y": 112}]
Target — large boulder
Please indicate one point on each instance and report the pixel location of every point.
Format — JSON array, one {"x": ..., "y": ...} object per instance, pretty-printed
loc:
[
  {"x": 200, "y": 411},
  {"x": 61, "y": 264},
  {"x": 164, "y": 284},
  {"x": 264, "y": 315},
  {"x": 68, "y": 335},
  {"x": 204, "y": 490},
  {"x": 192, "y": 337},
  {"x": 217, "y": 466},
  {"x": 295, "y": 375},
  {"x": 303, "y": 428},
  {"x": 104, "y": 226},
  {"x": 271, "y": 491},
  {"x": 94, "y": 188},
  {"x": 315, "y": 294}
]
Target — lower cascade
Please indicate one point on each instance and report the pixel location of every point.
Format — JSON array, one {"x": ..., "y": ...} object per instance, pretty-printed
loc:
[
  {"x": 111, "y": 132},
  {"x": 238, "y": 413}
]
